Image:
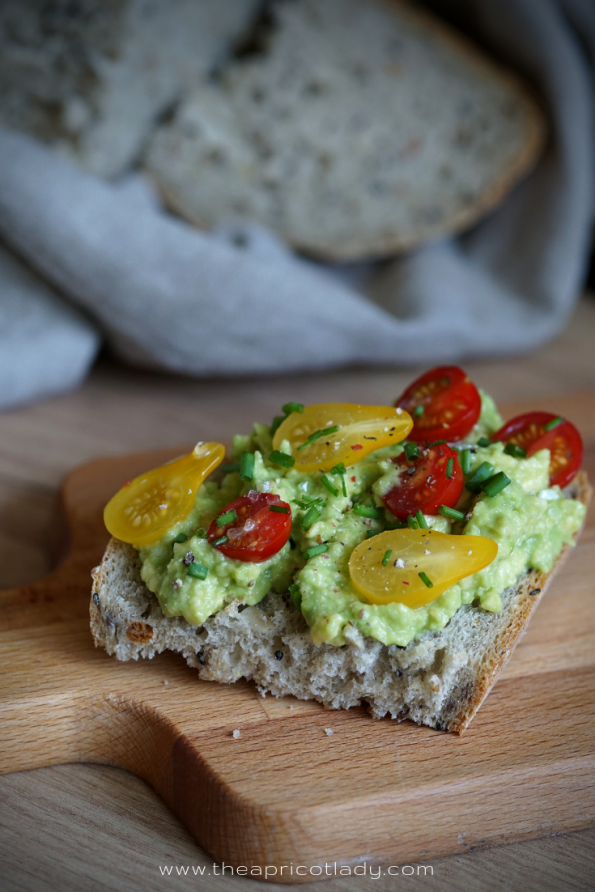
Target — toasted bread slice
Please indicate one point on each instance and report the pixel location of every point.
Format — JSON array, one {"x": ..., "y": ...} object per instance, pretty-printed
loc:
[{"x": 439, "y": 680}]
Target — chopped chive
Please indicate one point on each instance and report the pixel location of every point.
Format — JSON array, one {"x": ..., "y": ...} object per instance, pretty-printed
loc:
[
  {"x": 280, "y": 509},
  {"x": 330, "y": 486},
  {"x": 281, "y": 459},
  {"x": 312, "y": 552},
  {"x": 296, "y": 596},
  {"x": 339, "y": 468},
  {"x": 465, "y": 457},
  {"x": 277, "y": 422},
  {"x": 181, "y": 537},
  {"x": 288, "y": 408},
  {"x": 220, "y": 541},
  {"x": 426, "y": 580},
  {"x": 483, "y": 441},
  {"x": 419, "y": 516},
  {"x": 228, "y": 517},
  {"x": 199, "y": 571},
  {"x": 318, "y": 434},
  {"x": 367, "y": 511},
  {"x": 515, "y": 451},
  {"x": 229, "y": 469},
  {"x": 553, "y": 423},
  {"x": 474, "y": 483},
  {"x": 419, "y": 410},
  {"x": 411, "y": 522},
  {"x": 411, "y": 451},
  {"x": 305, "y": 503},
  {"x": 449, "y": 467},
  {"x": 311, "y": 516},
  {"x": 451, "y": 513},
  {"x": 370, "y": 533},
  {"x": 386, "y": 557},
  {"x": 247, "y": 466},
  {"x": 496, "y": 484},
  {"x": 201, "y": 532},
  {"x": 437, "y": 443}
]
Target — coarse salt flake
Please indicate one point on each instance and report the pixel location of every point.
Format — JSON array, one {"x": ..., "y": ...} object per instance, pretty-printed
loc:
[{"x": 235, "y": 734}]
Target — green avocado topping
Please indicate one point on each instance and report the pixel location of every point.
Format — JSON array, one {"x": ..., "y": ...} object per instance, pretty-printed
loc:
[{"x": 507, "y": 497}]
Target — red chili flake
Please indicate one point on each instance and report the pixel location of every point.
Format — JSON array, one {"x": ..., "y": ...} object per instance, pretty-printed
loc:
[
  {"x": 128, "y": 482},
  {"x": 353, "y": 479},
  {"x": 357, "y": 446},
  {"x": 405, "y": 582}
]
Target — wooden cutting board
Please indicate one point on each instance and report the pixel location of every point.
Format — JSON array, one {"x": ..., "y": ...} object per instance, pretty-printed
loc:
[{"x": 286, "y": 792}]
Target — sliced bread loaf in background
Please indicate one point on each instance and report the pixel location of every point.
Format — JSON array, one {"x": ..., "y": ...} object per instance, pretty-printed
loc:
[
  {"x": 353, "y": 128},
  {"x": 92, "y": 75}
]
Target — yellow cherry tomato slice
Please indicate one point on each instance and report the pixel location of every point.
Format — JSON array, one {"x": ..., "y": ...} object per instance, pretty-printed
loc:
[
  {"x": 382, "y": 578},
  {"x": 142, "y": 511},
  {"x": 355, "y": 432}
]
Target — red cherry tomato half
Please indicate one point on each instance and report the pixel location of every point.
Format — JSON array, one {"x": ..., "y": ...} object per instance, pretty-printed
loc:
[
  {"x": 258, "y": 533},
  {"x": 444, "y": 404},
  {"x": 423, "y": 483},
  {"x": 563, "y": 441}
]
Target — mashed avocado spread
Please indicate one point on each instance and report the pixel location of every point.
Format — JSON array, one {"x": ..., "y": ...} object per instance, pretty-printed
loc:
[{"x": 529, "y": 520}]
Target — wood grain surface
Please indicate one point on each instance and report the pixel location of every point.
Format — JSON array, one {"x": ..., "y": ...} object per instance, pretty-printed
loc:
[
  {"x": 86, "y": 827},
  {"x": 526, "y": 766}
]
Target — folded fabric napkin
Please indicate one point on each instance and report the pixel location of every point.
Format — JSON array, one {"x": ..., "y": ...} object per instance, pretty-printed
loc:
[{"x": 82, "y": 260}]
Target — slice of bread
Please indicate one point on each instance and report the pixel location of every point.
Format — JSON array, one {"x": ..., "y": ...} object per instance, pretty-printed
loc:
[
  {"x": 439, "y": 680},
  {"x": 354, "y": 129},
  {"x": 91, "y": 77}
]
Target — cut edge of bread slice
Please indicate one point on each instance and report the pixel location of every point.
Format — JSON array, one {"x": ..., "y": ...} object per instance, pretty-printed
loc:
[
  {"x": 378, "y": 246},
  {"x": 439, "y": 679}
]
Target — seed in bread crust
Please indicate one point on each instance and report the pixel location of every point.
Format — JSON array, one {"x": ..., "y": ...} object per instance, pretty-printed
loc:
[{"x": 139, "y": 633}]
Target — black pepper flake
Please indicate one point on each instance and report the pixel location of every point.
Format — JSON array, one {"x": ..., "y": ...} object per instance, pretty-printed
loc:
[
  {"x": 398, "y": 673},
  {"x": 201, "y": 659},
  {"x": 535, "y": 591},
  {"x": 278, "y": 654},
  {"x": 189, "y": 558},
  {"x": 411, "y": 471},
  {"x": 96, "y": 599},
  {"x": 370, "y": 438}
]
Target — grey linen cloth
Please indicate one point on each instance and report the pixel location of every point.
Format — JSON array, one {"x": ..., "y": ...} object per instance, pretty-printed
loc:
[{"x": 82, "y": 260}]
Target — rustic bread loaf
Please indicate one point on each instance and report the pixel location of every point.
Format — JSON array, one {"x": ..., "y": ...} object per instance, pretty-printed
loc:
[
  {"x": 353, "y": 128},
  {"x": 91, "y": 76},
  {"x": 439, "y": 680}
]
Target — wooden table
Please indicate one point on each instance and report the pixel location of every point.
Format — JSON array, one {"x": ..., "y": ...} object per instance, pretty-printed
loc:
[{"x": 83, "y": 827}]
